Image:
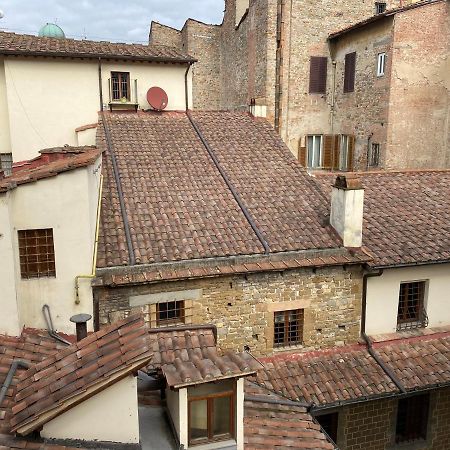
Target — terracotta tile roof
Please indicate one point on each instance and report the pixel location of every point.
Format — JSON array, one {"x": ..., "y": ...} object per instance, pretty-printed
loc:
[
  {"x": 24, "y": 44},
  {"x": 350, "y": 373},
  {"x": 177, "y": 203},
  {"x": 406, "y": 215},
  {"x": 12, "y": 442},
  {"x": 78, "y": 372},
  {"x": 189, "y": 356},
  {"x": 272, "y": 422},
  {"x": 50, "y": 163},
  {"x": 32, "y": 347},
  {"x": 377, "y": 17}
]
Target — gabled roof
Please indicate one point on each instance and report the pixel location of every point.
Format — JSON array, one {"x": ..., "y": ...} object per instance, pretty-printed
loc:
[
  {"x": 188, "y": 356},
  {"x": 346, "y": 374},
  {"x": 406, "y": 215},
  {"x": 29, "y": 45},
  {"x": 80, "y": 371},
  {"x": 177, "y": 205},
  {"x": 50, "y": 163}
]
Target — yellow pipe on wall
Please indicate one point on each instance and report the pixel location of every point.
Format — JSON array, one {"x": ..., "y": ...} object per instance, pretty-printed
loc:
[{"x": 94, "y": 258}]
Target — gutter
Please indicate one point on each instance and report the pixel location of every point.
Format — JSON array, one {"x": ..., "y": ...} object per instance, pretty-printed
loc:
[
  {"x": 186, "y": 91},
  {"x": 12, "y": 370},
  {"x": 233, "y": 190}
]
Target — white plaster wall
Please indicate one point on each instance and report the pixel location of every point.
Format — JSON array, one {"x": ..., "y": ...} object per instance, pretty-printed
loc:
[
  {"x": 241, "y": 7},
  {"x": 110, "y": 416},
  {"x": 5, "y": 141},
  {"x": 66, "y": 203},
  {"x": 173, "y": 405},
  {"x": 63, "y": 94},
  {"x": 383, "y": 292},
  {"x": 9, "y": 316},
  {"x": 87, "y": 137}
]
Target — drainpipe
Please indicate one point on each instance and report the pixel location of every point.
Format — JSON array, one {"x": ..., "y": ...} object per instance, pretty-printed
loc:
[
  {"x": 186, "y": 90},
  {"x": 366, "y": 275},
  {"x": 369, "y": 138},
  {"x": 94, "y": 258},
  {"x": 100, "y": 87},
  {"x": 51, "y": 330},
  {"x": 12, "y": 370}
]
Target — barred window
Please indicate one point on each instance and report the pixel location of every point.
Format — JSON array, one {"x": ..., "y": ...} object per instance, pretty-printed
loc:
[
  {"x": 6, "y": 163},
  {"x": 380, "y": 7},
  {"x": 36, "y": 253},
  {"x": 412, "y": 418},
  {"x": 374, "y": 155},
  {"x": 288, "y": 327},
  {"x": 170, "y": 313},
  {"x": 411, "y": 312},
  {"x": 120, "y": 85}
]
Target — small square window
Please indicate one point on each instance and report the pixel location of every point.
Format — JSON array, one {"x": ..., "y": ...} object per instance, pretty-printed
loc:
[
  {"x": 329, "y": 422},
  {"x": 412, "y": 418},
  {"x": 6, "y": 163},
  {"x": 288, "y": 327},
  {"x": 170, "y": 313},
  {"x": 120, "y": 86},
  {"x": 36, "y": 253},
  {"x": 411, "y": 310},
  {"x": 381, "y": 64},
  {"x": 380, "y": 7}
]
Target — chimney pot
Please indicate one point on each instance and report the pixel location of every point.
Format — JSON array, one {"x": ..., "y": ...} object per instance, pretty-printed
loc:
[
  {"x": 81, "y": 320},
  {"x": 347, "y": 205}
]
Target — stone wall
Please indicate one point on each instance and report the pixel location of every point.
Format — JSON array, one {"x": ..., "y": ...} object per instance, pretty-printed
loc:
[
  {"x": 371, "y": 425},
  {"x": 242, "y": 307},
  {"x": 164, "y": 35}
]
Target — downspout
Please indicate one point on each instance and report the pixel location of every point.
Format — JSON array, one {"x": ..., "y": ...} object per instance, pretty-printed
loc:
[
  {"x": 369, "y": 138},
  {"x": 186, "y": 90},
  {"x": 12, "y": 370},
  {"x": 94, "y": 258},
  {"x": 51, "y": 330},
  {"x": 387, "y": 370},
  {"x": 100, "y": 87}
]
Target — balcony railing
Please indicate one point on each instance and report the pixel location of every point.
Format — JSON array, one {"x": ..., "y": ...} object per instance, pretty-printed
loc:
[{"x": 422, "y": 322}]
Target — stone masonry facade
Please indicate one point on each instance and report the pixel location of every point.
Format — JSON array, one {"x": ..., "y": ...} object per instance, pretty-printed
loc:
[
  {"x": 371, "y": 425},
  {"x": 242, "y": 307}
]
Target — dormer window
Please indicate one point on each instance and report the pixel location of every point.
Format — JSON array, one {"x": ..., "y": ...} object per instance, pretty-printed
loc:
[{"x": 120, "y": 86}]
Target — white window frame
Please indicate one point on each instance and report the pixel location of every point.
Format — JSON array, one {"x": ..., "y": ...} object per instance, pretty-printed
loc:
[
  {"x": 313, "y": 150},
  {"x": 343, "y": 150},
  {"x": 381, "y": 64}
]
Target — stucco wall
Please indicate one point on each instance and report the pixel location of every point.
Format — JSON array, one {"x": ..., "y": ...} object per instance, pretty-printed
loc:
[
  {"x": 66, "y": 203},
  {"x": 383, "y": 294},
  {"x": 110, "y": 416},
  {"x": 46, "y": 108},
  {"x": 243, "y": 307},
  {"x": 5, "y": 141}
]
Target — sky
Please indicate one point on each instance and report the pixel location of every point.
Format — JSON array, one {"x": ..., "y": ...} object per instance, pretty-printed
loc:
[{"x": 126, "y": 21}]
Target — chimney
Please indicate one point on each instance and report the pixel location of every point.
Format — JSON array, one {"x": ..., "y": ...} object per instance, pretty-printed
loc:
[
  {"x": 347, "y": 204},
  {"x": 81, "y": 321}
]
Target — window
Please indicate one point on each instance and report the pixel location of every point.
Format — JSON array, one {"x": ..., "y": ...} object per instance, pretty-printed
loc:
[
  {"x": 288, "y": 327},
  {"x": 381, "y": 64},
  {"x": 170, "y": 313},
  {"x": 329, "y": 422},
  {"x": 37, "y": 254},
  {"x": 380, "y": 7},
  {"x": 374, "y": 155},
  {"x": 6, "y": 163},
  {"x": 411, "y": 311},
  {"x": 343, "y": 154},
  {"x": 412, "y": 418},
  {"x": 318, "y": 75},
  {"x": 211, "y": 418},
  {"x": 349, "y": 72},
  {"x": 315, "y": 151},
  {"x": 120, "y": 85}
]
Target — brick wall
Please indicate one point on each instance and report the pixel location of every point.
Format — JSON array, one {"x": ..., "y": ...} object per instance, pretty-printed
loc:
[
  {"x": 164, "y": 35},
  {"x": 242, "y": 307}
]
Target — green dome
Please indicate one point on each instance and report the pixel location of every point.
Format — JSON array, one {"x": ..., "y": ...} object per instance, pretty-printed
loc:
[{"x": 52, "y": 30}]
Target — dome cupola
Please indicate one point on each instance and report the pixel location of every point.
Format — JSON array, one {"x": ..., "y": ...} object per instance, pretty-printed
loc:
[{"x": 51, "y": 30}]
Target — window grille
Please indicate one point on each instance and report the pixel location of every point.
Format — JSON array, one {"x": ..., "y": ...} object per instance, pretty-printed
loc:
[
  {"x": 36, "y": 253},
  {"x": 6, "y": 163},
  {"x": 120, "y": 86},
  {"x": 411, "y": 311},
  {"x": 170, "y": 313},
  {"x": 412, "y": 418},
  {"x": 380, "y": 7},
  {"x": 374, "y": 156},
  {"x": 288, "y": 327}
]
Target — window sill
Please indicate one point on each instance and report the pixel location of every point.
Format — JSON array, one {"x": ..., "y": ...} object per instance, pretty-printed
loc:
[
  {"x": 287, "y": 348},
  {"x": 229, "y": 444}
]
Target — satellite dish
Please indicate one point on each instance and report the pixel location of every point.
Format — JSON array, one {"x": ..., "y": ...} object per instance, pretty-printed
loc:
[
  {"x": 2, "y": 14},
  {"x": 157, "y": 98}
]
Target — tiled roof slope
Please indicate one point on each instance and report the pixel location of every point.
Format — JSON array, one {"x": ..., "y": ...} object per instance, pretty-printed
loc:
[
  {"x": 189, "y": 356},
  {"x": 50, "y": 163},
  {"x": 406, "y": 215},
  {"x": 270, "y": 422},
  {"x": 350, "y": 373},
  {"x": 31, "y": 347},
  {"x": 81, "y": 370},
  {"x": 24, "y": 44},
  {"x": 177, "y": 203}
]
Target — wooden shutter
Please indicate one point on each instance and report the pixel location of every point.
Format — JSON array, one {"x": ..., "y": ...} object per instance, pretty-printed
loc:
[
  {"x": 318, "y": 75},
  {"x": 336, "y": 151},
  {"x": 349, "y": 74},
  {"x": 351, "y": 153},
  {"x": 302, "y": 153},
  {"x": 328, "y": 141}
]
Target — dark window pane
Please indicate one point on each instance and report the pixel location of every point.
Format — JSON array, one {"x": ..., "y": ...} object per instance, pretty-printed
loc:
[
  {"x": 199, "y": 420},
  {"x": 412, "y": 418},
  {"x": 222, "y": 416},
  {"x": 349, "y": 72},
  {"x": 329, "y": 422},
  {"x": 36, "y": 253},
  {"x": 170, "y": 312},
  {"x": 288, "y": 327}
]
